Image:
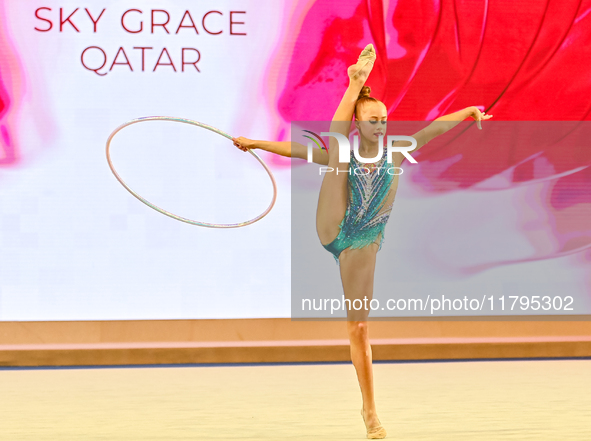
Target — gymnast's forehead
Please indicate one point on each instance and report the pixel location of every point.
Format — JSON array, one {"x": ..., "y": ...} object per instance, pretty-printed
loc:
[{"x": 373, "y": 109}]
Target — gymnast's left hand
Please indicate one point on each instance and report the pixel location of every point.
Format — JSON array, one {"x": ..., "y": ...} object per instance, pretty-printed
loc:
[
  {"x": 478, "y": 116},
  {"x": 243, "y": 143}
]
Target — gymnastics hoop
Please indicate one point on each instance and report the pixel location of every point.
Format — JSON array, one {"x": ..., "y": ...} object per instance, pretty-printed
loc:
[{"x": 167, "y": 213}]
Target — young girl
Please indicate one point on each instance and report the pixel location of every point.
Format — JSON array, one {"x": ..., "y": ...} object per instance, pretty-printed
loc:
[{"x": 353, "y": 208}]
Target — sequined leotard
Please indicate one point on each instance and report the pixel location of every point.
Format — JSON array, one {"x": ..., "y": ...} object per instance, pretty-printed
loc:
[{"x": 368, "y": 208}]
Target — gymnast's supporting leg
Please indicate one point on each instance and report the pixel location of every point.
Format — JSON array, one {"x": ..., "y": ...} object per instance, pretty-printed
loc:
[
  {"x": 332, "y": 201},
  {"x": 357, "y": 274}
]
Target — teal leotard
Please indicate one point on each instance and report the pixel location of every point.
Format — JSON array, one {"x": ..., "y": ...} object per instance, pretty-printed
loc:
[{"x": 366, "y": 215}]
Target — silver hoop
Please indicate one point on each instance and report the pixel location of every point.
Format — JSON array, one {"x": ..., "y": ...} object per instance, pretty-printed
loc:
[{"x": 167, "y": 213}]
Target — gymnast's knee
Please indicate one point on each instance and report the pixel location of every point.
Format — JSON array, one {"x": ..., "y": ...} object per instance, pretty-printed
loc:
[{"x": 357, "y": 330}]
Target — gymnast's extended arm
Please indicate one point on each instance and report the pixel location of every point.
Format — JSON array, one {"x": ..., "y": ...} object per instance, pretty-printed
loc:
[
  {"x": 441, "y": 125},
  {"x": 446, "y": 123},
  {"x": 283, "y": 148}
]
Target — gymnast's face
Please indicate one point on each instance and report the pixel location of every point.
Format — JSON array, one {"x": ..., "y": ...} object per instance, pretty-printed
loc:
[{"x": 372, "y": 121}]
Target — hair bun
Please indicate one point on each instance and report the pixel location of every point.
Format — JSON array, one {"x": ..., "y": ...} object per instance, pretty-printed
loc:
[{"x": 365, "y": 91}]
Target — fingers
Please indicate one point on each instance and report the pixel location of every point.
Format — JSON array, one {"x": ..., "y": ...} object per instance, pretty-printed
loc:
[
  {"x": 481, "y": 116},
  {"x": 484, "y": 117},
  {"x": 236, "y": 142}
]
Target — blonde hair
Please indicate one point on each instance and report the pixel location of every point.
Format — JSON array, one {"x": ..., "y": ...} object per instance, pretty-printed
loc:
[{"x": 363, "y": 99}]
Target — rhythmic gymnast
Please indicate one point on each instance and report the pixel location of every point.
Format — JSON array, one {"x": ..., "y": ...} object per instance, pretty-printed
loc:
[{"x": 353, "y": 209}]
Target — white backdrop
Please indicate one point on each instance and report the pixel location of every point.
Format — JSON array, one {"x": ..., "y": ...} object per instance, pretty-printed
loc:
[{"x": 75, "y": 244}]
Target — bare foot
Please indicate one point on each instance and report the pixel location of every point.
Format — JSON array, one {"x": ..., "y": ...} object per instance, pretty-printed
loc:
[{"x": 361, "y": 70}]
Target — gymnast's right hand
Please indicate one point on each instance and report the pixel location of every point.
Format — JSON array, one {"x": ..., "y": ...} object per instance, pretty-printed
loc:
[{"x": 243, "y": 143}]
